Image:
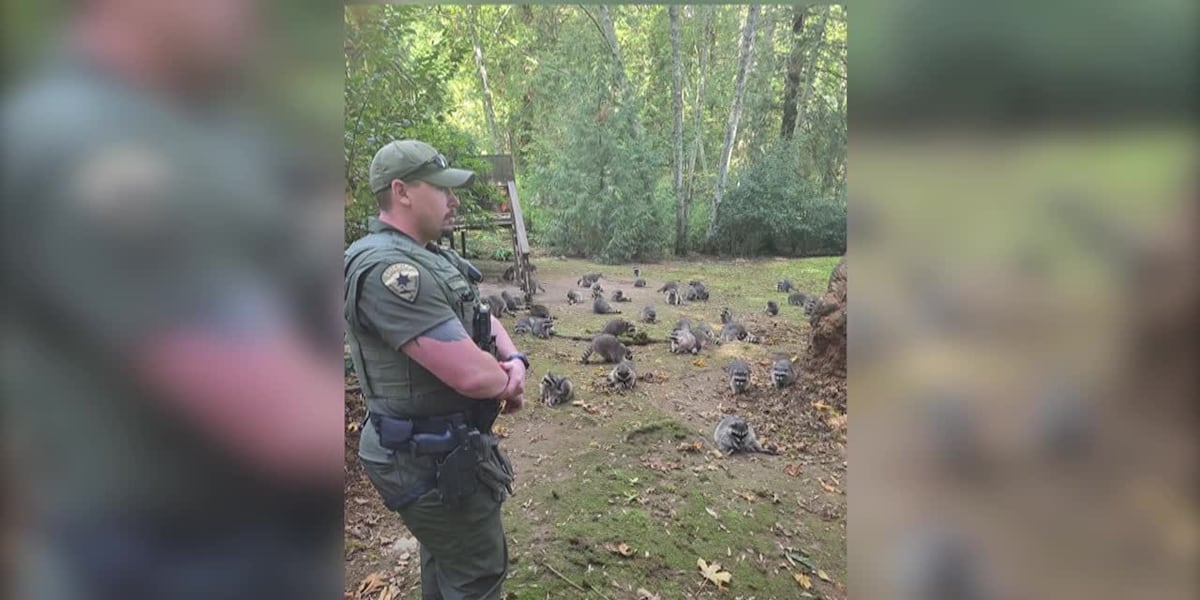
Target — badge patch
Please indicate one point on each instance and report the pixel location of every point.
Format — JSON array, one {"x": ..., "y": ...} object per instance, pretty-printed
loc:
[{"x": 403, "y": 279}]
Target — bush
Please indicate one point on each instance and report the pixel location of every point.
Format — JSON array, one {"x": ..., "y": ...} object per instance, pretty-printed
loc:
[{"x": 774, "y": 208}]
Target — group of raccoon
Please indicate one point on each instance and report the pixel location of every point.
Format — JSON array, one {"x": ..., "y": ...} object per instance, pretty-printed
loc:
[
  {"x": 733, "y": 433},
  {"x": 813, "y": 307},
  {"x": 538, "y": 322}
]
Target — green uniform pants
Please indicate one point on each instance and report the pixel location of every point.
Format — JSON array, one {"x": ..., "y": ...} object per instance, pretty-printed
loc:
[{"x": 464, "y": 555}]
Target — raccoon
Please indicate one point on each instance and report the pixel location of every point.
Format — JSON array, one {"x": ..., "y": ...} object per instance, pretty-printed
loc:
[
  {"x": 623, "y": 376},
  {"x": 639, "y": 283},
  {"x": 735, "y": 331},
  {"x": 648, "y": 314},
  {"x": 704, "y": 334},
  {"x": 682, "y": 324},
  {"x": 588, "y": 279},
  {"x": 739, "y": 376},
  {"x": 683, "y": 340},
  {"x": 772, "y": 308},
  {"x": 798, "y": 299},
  {"x": 597, "y": 288},
  {"x": 673, "y": 298},
  {"x": 783, "y": 372},
  {"x": 784, "y": 285},
  {"x": 695, "y": 282},
  {"x": 619, "y": 327},
  {"x": 574, "y": 297},
  {"x": 510, "y": 302},
  {"x": 597, "y": 293},
  {"x": 726, "y": 316},
  {"x": 637, "y": 272},
  {"x": 734, "y": 434},
  {"x": 556, "y": 390},
  {"x": 539, "y": 327},
  {"x": 619, "y": 296},
  {"x": 811, "y": 305},
  {"x": 609, "y": 348},
  {"x": 510, "y": 274},
  {"x": 697, "y": 291},
  {"x": 498, "y": 306},
  {"x": 539, "y": 310},
  {"x": 601, "y": 306},
  {"x": 669, "y": 286}
]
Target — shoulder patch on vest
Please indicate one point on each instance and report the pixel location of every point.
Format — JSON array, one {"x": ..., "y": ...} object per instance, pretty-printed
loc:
[{"x": 403, "y": 279}]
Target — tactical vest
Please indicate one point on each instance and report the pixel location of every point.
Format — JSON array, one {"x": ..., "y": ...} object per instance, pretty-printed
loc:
[{"x": 392, "y": 383}]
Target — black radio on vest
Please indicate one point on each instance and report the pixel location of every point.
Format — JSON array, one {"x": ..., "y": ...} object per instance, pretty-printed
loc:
[{"x": 486, "y": 411}]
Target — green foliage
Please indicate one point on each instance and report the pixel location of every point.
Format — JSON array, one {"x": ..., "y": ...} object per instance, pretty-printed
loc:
[
  {"x": 775, "y": 207},
  {"x": 593, "y": 159},
  {"x": 603, "y": 180},
  {"x": 397, "y": 66}
]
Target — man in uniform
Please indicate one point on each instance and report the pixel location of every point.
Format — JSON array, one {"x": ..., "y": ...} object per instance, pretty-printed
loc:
[
  {"x": 424, "y": 352},
  {"x": 179, "y": 428}
]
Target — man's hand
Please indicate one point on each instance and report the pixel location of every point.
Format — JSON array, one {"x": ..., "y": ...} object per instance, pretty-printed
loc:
[{"x": 514, "y": 392}]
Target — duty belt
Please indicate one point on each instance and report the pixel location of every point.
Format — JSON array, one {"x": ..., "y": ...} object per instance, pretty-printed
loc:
[{"x": 426, "y": 435}]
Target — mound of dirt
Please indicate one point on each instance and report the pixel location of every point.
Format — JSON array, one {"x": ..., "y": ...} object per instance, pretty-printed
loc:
[{"x": 826, "y": 356}]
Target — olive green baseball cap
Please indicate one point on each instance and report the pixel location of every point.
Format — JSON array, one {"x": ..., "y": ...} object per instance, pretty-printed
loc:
[{"x": 411, "y": 160}]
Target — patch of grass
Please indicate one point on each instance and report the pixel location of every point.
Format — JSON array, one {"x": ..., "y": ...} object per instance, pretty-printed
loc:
[
  {"x": 657, "y": 430},
  {"x": 664, "y": 518}
]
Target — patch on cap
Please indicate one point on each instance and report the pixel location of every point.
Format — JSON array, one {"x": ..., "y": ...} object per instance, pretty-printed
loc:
[{"x": 403, "y": 279}]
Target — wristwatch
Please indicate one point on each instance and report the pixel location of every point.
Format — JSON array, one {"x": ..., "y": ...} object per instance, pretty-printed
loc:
[{"x": 520, "y": 356}]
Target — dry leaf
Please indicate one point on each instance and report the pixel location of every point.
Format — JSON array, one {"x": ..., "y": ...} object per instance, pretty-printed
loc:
[
  {"x": 823, "y": 575},
  {"x": 793, "y": 470},
  {"x": 352, "y": 427},
  {"x": 713, "y": 573},
  {"x": 828, "y": 488},
  {"x": 388, "y": 593},
  {"x": 803, "y": 580},
  {"x": 699, "y": 362},
  {"x": 748, "y": 496},
  {"x": 623, "y": 549},
  {"x": 500, "y": 430},
  {"x": 370, "y": 583},
  {"x": 711, "y": 512}
]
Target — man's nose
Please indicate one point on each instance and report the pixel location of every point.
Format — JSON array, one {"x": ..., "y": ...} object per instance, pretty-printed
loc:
[{"x": 453, "y": 199}]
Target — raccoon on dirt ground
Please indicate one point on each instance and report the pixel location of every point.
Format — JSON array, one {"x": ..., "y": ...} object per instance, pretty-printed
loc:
[
  {"x": 608, "y": 347},
  {"x": 556, "y": 390}
]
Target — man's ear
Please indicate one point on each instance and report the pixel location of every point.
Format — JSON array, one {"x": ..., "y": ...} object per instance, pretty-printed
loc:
[{"x": 400, "y": 192}]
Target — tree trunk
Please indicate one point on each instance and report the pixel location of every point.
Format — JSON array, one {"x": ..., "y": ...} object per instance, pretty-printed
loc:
[
  {"x": 735, "y": 113},
  {"x": 610, "y": 36},
  {"x": 814, "y": 55},
  {"x": 677, "y": 96},
  {"x": 706, "y": 44},
  {"x": 488, "y": 109},
  {"x": 794, "y": 67}
]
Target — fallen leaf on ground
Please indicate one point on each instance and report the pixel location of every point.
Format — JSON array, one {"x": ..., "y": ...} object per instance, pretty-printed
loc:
[
  {"x": 711, "y": 512},
  {"x": 623, "y": 549},
  {"x": 699, "y": 362},
  {"x": 713, "y": 573},
  {"x": 804, "y": 581},
  {"x": 823, "y": 575},
  {"x": 827, "y": 487},
  {"x": 793, "y": 470},
  {"x": 371, "y": 583}
]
